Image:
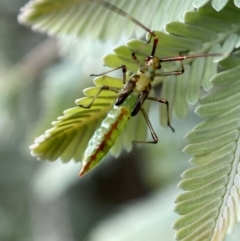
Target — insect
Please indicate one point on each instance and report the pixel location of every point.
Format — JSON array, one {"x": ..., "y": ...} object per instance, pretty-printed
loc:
[{"x": 130, "y": 99}]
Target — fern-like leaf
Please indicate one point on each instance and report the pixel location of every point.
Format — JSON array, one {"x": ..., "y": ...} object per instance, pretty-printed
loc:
[
  {"x": 86, "y": 17},
  {"x": 213, "y": 185}
]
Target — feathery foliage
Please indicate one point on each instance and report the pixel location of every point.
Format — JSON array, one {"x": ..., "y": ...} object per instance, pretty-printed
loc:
[
  {"x": 85, "y": 17},
  {"x": 210, "y": 206}
]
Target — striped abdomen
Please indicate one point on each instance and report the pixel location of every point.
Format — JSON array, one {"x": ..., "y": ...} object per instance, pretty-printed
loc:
[{"x": 106, "y": 135}]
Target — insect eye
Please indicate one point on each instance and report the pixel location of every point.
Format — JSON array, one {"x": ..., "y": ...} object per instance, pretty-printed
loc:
[{"x": 148, "y": 59}]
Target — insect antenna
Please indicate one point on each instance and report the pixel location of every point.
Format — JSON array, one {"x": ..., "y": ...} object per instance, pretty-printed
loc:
[
  {"x": 134, "y": 20},
  {"x": 181, "y": 58}
]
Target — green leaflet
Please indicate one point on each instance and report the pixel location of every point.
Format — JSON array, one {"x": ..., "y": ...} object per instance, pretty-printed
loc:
[
  {"x": 208, "y": 167},
  {"x": 191, "y": 31},
  {"x": 200, "y": 135},
  {"x": 218, "y": 5}
]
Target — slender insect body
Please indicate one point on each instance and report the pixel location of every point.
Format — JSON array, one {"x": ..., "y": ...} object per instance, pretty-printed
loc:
[
  {"x": 140, "y": 82},
  {"x": 129, "y": 103},
  {"x": 106, "y": 135},
  {"x": 143, "y": 81},
  {"x": 146, "y": 75}
]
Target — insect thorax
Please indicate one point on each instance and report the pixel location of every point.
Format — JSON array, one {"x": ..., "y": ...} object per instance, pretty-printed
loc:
[{"x": 143, "y": 80}]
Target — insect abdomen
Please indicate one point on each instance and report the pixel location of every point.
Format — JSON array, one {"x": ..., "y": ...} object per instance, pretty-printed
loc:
[{"x": 104, "y": 137}]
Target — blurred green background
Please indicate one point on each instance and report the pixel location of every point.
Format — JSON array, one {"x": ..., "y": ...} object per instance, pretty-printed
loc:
[{"x": 129, "y": 198}]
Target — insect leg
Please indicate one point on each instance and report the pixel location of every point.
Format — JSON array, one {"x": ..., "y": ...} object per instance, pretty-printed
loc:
[
  {"x": 104, "y": 87},
  {"x": 176, "y": 72},
  {"x": 181, "y": 58},
  {"x": 124, "y": 70},
  {"x": 155, "y": 43},
  {"x": 153, "y": 133},
  {"x": 142, "y": 97},
  {"x": 167, "y": 105},
  {"x": 194, "y": 56},
  {"x": 128, "y": 89}
]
